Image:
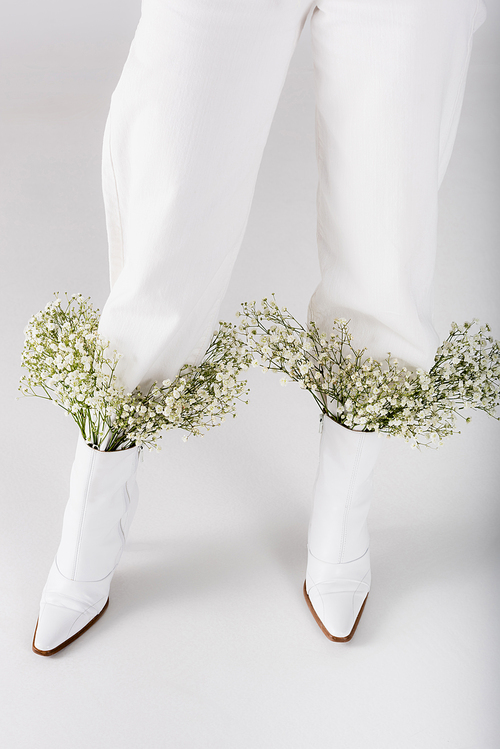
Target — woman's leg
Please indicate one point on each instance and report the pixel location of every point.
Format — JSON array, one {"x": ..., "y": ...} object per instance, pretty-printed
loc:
[
  {"x": 390, "y": 78},
  {"x": 184, "y": 140}
]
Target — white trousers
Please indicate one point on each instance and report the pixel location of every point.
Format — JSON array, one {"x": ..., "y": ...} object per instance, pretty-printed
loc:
[{"x": 187, "y": 126}]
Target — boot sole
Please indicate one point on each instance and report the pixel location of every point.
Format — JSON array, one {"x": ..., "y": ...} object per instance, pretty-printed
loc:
[
  {"x": 322, "y": 626},
  {"x": 70, "y": 639}
]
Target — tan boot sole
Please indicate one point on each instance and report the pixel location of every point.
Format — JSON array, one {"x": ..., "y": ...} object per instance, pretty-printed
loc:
[
  {"x": 70, "y": 639},
  {"x": 322, "y": 626}
]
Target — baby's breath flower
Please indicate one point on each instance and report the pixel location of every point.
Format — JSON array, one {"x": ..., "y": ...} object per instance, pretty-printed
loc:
[
  {"x": 68, "y": 362},
  {"x": 356, "y": 390}
]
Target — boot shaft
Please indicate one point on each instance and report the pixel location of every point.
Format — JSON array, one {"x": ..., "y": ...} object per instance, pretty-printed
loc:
[
  {"x": 338, "y": 530},
  {"x": 103, "y": 490}
]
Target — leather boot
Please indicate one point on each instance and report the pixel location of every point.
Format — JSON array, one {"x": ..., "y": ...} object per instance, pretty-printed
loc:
[
  {"x": 338, "y": 573},
  {"x": 102, "y": 501}
]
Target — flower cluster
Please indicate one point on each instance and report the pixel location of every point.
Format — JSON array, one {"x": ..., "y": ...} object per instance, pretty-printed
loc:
[
  {"x": 360, "y": 392},
  {"x": 69, "y": 363}
]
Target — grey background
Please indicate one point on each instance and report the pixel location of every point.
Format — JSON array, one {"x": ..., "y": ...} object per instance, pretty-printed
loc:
[{"x": 207, "y": 641}]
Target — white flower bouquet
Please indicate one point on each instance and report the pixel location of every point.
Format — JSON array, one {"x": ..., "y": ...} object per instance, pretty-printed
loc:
[
  {"x": 360, "y": 392},
  {"x": 68, "y": 363}
]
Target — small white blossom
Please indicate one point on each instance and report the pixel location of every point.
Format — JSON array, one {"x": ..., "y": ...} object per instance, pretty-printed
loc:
[
  {"x": 356, "y": 390},
  {"x": 68, "y": 361}
]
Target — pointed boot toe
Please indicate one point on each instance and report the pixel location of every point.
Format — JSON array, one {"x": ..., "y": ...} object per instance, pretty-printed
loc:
[
  {"x": 336, "y": 594},
  {"x": 337, "y": 612},
  {"x": 58, "y": 626}
]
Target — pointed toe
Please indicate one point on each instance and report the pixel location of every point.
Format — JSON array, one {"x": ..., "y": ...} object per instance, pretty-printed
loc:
[
  {"x": 336, "y": 612},
  {"x": 336, "y": 594},
  {"x": 58, "y": 626}
]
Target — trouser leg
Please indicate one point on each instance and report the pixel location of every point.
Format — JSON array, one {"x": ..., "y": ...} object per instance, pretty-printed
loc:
[
  {"x": 390, "y": 78},
  {"x": 184, "y": 139}
]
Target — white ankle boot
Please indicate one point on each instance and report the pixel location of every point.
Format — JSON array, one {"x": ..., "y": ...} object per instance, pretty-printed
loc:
[
  {"x": 338, "y": 567},
  {"x": 103, "y": 498}
]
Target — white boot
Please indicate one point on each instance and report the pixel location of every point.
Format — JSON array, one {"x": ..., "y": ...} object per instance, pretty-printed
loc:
[
  {"x": 338, "y": 567},
  {"x": 103, "y": 498}
]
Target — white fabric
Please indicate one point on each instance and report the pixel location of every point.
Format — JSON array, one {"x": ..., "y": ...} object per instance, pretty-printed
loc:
[{"x": 186, "y": 130}]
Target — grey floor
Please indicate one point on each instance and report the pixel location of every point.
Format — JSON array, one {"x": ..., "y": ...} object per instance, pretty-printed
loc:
[{"x": 207, "y": 641}]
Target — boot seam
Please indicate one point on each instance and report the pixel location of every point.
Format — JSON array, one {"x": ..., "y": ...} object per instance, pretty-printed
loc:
[
  {"x": 100, "y": 580},
  {"x": 362, "y": 582},
  {"x": 85, "y": 613},
  {"x": 357, "y": 583},
  {"x": 324, "y": 561},
  {"x": 68, "y": 597},
  {"x": 120, "y": 522}
]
